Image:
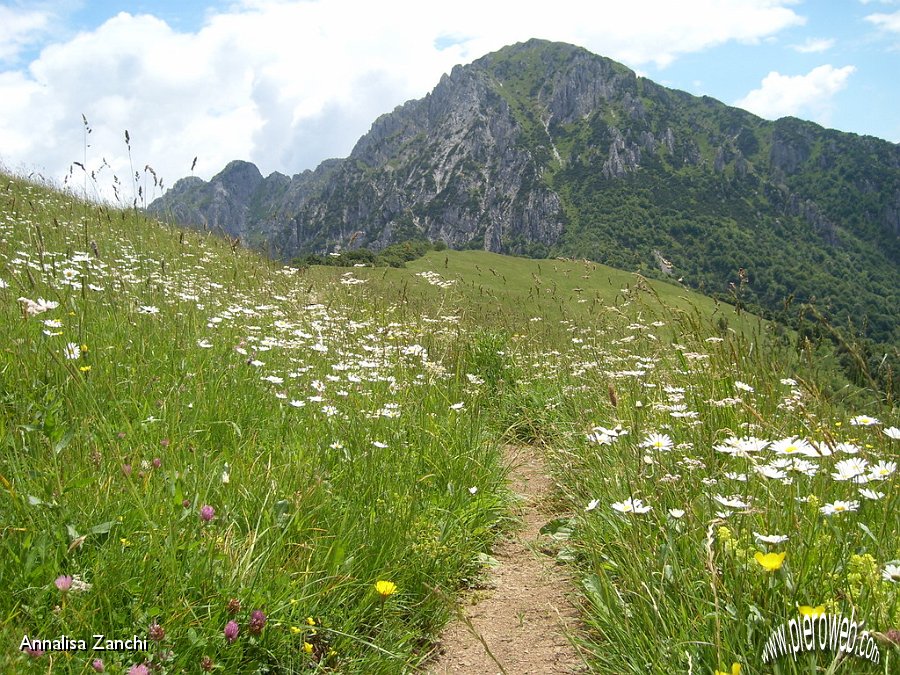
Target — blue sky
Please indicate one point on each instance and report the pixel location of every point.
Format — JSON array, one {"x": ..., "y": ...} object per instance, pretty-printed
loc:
[{"x": 286, "y": 84}]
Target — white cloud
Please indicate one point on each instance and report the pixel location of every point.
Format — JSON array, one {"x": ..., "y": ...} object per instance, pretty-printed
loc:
[
  {"x": 889, "y": 22},
  {"x": 814, "y": 45},
  {"x": 286, "y": 84},
  {"x": 809, "y": 94},
  {"x": 19, "y": 28}
]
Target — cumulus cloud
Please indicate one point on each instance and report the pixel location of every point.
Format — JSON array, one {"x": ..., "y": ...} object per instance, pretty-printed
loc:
[
  {"x": 811, "y": 94},
  {"x": 888, "y": 22},
  {"x": 814, "y": 46},
  {"x": 19, "y": 28},
  {"x": 286, "y": 84}
]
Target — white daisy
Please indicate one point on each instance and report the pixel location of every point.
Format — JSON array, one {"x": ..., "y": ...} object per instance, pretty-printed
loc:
[
  {"x": 864, "y": 421},
  {"x": 892, "y": 432},
  {"x": 891, "y": 573},
  {"x": 839, "y": 506},
  {"x": 770, "y": 538},
  {"x": 631, "y": 505}
]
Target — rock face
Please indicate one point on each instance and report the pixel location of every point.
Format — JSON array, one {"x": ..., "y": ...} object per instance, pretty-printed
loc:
[{"x": 546, "y": 149}]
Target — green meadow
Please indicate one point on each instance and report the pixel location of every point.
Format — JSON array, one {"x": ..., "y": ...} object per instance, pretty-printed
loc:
[{"x": 255, "y": 468}]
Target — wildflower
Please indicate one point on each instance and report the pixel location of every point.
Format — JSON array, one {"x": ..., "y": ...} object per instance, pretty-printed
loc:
[
  {"x": 33, "y": 307},
  {"x": 84, "y": 369},
  {"x": 676, "y": 513},
  {"x": 839, "y": 506},
  {"x": 257, "y": 622},
  {"x": 139, "y": 669},
  {"x": 770, "y": 538},
  {"x": 207, "y": 665},
  {"x": 892, "y": 432},
  {"x": 156, "y": 632},
  {"x": 849, "y": 469},
  {"x": 794, "y": 445},
  {"x": 882, "y": 470},
  {"x": 231, "y": 631},
  {"x": 307, "y": 647},
  {"x": 97, "y": 665},
  {"x": 234, "y": 606},
  {"x": 63, "y": 583},
  {"x": 631, "y": 505},
  {"x": 473, "y": 490},
  {"x": 891, "y": 573},
  {"x": 72, "y": 351},
  {"x": 207, "y": 513},
  {"x": 385, "y": 588},
  {"x": 457, "y": 406},
  {"x": 871, "y": 494},
  {"x": 661, "y": 442},
  {"x": 735, "y": 670},
  {"x": 592, "y": 505},
  {"x": 148, "y": 309},
  {"x": 806, "y": 610},
  {"x": 770, "y": 562},
  {"x": 732, "y": 502},
  {"x": 864, "y": 421},
  {"x": 743, "y": 386},
  {"x": 310, "y": 621}
]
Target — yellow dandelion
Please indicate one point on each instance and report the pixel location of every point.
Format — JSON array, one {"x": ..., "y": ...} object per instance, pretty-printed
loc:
[
  {"x": 769, "y": 561},
  {"x": 735, "y": 670},
  {"x": 806, "y": 610},
  {"x": 385, "y": 588}
]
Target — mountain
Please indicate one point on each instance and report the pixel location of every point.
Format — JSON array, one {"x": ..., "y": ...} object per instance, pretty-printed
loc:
[{"x": 545, "y": 149}]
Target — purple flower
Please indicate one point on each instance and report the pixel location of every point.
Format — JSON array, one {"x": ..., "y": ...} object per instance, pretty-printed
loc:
[
  {"x": 206, "y": 664},
  {"x": 157, "y": 634},
  {"x": 231, "y": 631},
  {"x": 139, "y": 669},
  {"x": 98, "y": 666},
  {"x": 157, "y": 462},
  {"x": 126, "y": 469},
  {"x": 63, "y": 582},
  {"x": 34, "y": 652},
  {"x": 207, "y": 513},
  {"x": 234, "y": 606},
  {"x": 257, "y": 622},
  {"x": 186, "y": 503}
]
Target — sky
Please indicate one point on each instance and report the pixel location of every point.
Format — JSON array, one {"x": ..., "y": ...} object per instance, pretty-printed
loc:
[{"x": 286, "y": 84}]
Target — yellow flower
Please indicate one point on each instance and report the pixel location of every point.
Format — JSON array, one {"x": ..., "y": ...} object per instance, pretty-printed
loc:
[
  {"x": 385, "y": 588},
  {"x": 735, "y": 670},
  {"x": 311, "y": 621},
  {"x": 307, "y": 647},
  {"x": 806, "y": 610},
  {"x": 296, "y": 630},
  {"x": 769, "y": 561},
  {"x": 84, "y": 369}
]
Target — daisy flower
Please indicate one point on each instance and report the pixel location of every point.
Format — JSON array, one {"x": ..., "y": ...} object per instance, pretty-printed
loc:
[
  {"x": 891, "y": 573},
  {"x": 72, "y": 351},
  {"x": 733, "y": 502},
  {"x": 882, "y": 470},
  {"x": 839, "y": 506},
  {"x": 864, "y": 421},
  {"x": 660, "y": 442},
  {"x": 892, "y": 432},
  {"x": 631, "y": 505},
  {"x": 770, "y": 538},
  {"x": 794, "y": 446},
  {"x": 847, "y": 469},
  {"x": 871, "y": 494}
]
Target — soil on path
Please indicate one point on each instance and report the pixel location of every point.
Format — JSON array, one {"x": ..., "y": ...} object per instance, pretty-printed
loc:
[{"x": 522, "y": 613}]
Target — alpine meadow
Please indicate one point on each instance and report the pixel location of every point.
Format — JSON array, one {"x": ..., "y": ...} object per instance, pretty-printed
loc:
[{"x": 278, "y": 425}]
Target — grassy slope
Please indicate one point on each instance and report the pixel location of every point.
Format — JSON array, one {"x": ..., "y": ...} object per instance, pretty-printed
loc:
[{"x": 314, "y": 512}]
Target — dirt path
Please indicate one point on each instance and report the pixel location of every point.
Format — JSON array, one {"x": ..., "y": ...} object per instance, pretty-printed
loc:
[{"x": 522, "y": 614}]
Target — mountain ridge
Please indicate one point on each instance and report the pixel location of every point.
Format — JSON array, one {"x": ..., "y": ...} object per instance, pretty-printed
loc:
[{"x": 547, "y": 149}]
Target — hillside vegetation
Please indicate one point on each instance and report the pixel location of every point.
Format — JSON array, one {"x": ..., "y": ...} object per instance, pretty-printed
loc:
[{"x": 260, "y": 469}]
